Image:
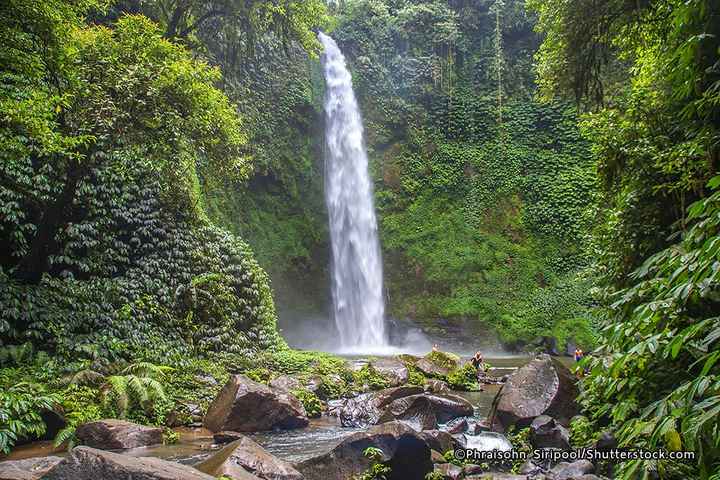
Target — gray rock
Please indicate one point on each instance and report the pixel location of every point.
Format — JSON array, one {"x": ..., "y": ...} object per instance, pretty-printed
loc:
[
  {"x": 366, "y": 409},
  {"x": 247, "y": 406},
  {"x": 542, "y": 387},
  {"x": 85, "y": 463},
  {"x": 245, "y": 456},
  {"x": 28, "y": 469},
  {"x": 545, "y": 432},
  {"x": 415, "y": 411},
  {"x": 436, "y": 386},
  {"x": 439, "y": 440},
  {"x": 404, "y": 450},
  {"x": 448, "y": 407},
  {"x": 571, "y": 471},
  {"x": 456, "y": 425},
  {"x": 285, "y": 383},
  {"x": 111, "y": 434}
]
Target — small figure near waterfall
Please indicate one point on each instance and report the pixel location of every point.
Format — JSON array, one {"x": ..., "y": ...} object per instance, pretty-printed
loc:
[{"x": 481, "y": 367}]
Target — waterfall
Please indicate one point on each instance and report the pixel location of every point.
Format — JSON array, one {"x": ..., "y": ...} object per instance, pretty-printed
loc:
[{"x": 357, "y": 287}]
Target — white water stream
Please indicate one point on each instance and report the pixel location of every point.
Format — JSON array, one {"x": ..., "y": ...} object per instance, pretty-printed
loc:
[{"x": 357, "y": 276}]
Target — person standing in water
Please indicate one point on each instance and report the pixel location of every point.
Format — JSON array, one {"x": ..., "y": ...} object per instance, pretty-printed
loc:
[{"x": 479, "y": 364}]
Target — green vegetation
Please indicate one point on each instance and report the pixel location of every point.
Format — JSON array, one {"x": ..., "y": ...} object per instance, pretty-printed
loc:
[
  {"x": 649, "y": 72},
  {"x": 547, "y": 173}
]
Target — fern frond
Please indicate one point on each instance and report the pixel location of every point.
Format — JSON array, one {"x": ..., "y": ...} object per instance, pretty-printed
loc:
[{"x": 67, "y": 434}]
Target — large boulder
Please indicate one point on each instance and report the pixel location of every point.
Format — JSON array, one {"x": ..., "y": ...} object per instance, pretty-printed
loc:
[
  {"x": 545, "y": 432},
  {"x": 247, "y": 406},
  {"x": 437, "y": 364},
  {"x": 415, "y": 411},
  {"x": 404, "y": 450},
  {"x": 542, "y": 387},
  {"x": 448, "y": 407},
  {"x": 111, "y": 434},
  {"x": 392, "y": 370},
  {"x": 28, "y": 469},
  {"x": 366, "y": 409},
  {"x": 85, "y": 463},
  {"x": 402, "y": 403},
  {"x": 243, "y": 457}
]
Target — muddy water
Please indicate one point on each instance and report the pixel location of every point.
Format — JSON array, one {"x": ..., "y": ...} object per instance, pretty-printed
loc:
[{"x": 196, "y": 444}]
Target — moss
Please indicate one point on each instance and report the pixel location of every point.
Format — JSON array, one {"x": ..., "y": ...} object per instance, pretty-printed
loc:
[
  {"x": 367, "y": 378},
  {"x": 463, "y": 378},
  {"x": 446, "y": 360}
]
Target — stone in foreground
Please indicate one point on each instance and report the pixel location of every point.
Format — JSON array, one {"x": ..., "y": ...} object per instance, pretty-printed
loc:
[
  {"x": 415, "y": 411},
  {"x": 571, "y": 471},
  {"x": 114, "y": 434},
  {"x": 542, "y": 387},
  {"x": 404, "y": 450},
  {"x": 245, "y": 459},
  {"x": 545, "y": 432},
  {"x": 28, "y": 469},
  {"x": 85, "y": 463},
  {"x": 247, "y": 406}
]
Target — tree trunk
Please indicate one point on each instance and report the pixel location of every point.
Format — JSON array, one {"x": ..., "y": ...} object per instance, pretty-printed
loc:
[{"x": 56, "y": 214}]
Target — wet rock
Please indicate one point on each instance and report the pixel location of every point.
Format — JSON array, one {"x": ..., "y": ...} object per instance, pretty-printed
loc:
[
  {"x": 85, "y": 463},
  {"x": 285, "y": 383},
  {"x": 545, "y": 432},
  {"x": 542, "y": 387},
  {"x": 247, "y": 406},
  {"x": 366, "y": 409},
  {"x": 436, "y": 386},
  {"x": 487, "y": 441},
  {"x": 114, "y": 434},
  {"x": 392, "y": 370},
  {"x": 449, "y": 471},
  {"x": 227, "y": 436},
  {"x": 404, "y": 450},
  {"x": 28, "y": 469},
  {"x": 439, "y": 440},
  {"x": 456, "y": 425},
  {"x": 416, "y": 411},
  {"x": 448, "y": 407},
  {"x": 245, "y": 456},
  {"x": 570, "y": 471},
  {"x": 475, "y": 427}
]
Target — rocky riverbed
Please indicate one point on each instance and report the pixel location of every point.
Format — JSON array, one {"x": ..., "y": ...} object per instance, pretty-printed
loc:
[{"x": 252, "y": 430}]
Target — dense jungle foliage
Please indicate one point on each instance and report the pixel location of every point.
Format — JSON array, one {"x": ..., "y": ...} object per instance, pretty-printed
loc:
[{"x": 543, "y": 169}]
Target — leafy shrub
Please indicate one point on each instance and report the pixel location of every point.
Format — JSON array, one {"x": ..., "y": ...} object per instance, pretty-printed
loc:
[
  {"x": 378, "y": 470},
  {"x": 368, "y": 378},
  {"x": 312, "y": 404},
  {"x": 582, "y": 432},
  {"x": 463, "y": 378},
  {"x": 20, "y": 407}
]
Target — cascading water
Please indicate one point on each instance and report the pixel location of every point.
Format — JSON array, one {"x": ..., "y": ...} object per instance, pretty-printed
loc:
[{"x": 357, "y": 287}]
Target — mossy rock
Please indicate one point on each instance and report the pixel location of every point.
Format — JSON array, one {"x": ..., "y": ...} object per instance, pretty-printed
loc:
[{"x": 438, "y": 364}]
